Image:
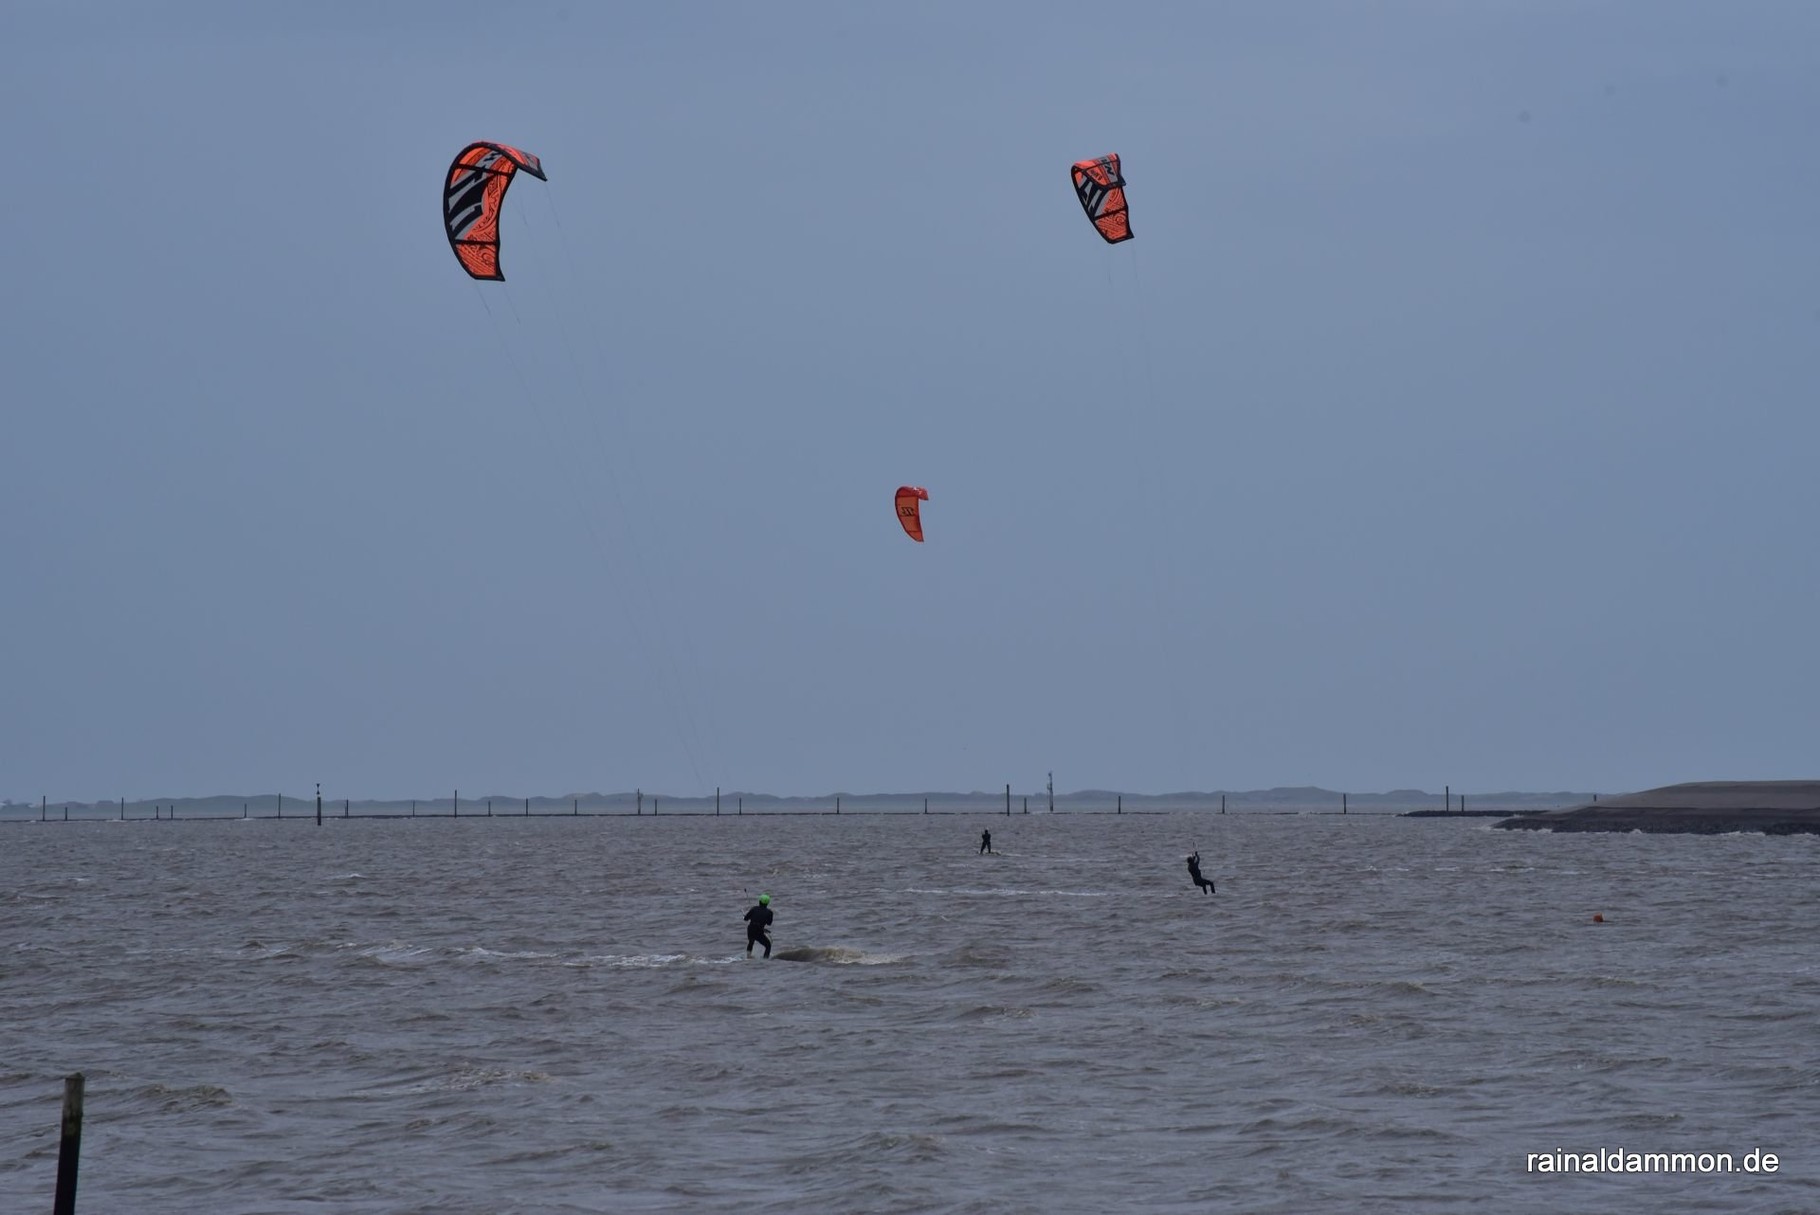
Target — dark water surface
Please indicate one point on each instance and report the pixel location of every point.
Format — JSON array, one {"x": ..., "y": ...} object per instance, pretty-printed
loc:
[{"x": 555, "y": 1015}]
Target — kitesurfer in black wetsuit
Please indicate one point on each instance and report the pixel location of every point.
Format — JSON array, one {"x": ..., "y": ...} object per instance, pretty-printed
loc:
[
  {"x": 1194, "y": 873},
  {"x": 985, "y": 842},
  {"x": 757, "y": 920}
]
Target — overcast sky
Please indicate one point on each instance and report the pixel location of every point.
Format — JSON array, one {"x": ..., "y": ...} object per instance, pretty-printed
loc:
[{"x": 1451, "y": 419}]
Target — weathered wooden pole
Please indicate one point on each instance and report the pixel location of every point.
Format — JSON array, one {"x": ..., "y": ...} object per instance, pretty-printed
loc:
[
  {"x": 346, "y": 802},
  {"x": 455, "y": 803},
  {"x": 527, "y": 807},
  {"x": 1121, "y": 803},
  {"x": 69, "y": 1147},
  {"x": 319, "y": 803},
  {"x": 1026, "y": 805},
  {"x": 1051, "y": 795},
  {"x": 716, "y": 801},
  {"x": 641, "y": 801},
  {"x": 1007, "y": 801},
  {"x": 925, "y": 805},
  {"x": 489, "y": 807},
  {"x": 1446, "y": 798},
  {"x": 1342, "y": 803},
  {"x": 837, "y": 803},
  {"x": 281, "y": 805},
  {"x": 742, "y": 807}
]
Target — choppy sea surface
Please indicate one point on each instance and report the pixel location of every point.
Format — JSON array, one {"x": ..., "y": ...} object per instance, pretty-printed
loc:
[{"x": 557, "y": 1015}]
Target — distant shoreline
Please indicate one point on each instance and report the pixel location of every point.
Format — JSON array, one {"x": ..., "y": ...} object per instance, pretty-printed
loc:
[
  {"x": 640, "y": 803},
  {"x": 1699, "y": 808}
]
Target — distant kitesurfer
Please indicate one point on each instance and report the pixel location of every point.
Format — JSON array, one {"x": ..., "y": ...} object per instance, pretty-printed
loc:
[
  {"x": 1194, "y": 872},
  {"x": 985, "y": 842},
  {"x": 757, "y": 920}
]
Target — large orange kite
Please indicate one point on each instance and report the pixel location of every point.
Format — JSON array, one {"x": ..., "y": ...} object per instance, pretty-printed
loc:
[
  {"x": 1101, "y": 188},
  {"x": 471, "y": 197}
]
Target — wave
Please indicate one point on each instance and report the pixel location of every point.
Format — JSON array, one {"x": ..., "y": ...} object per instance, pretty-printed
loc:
[{"x": 832, "y": 955}]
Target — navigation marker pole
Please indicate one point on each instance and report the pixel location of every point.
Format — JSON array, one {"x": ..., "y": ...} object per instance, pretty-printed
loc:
[{"x": 69, "y": 1147}]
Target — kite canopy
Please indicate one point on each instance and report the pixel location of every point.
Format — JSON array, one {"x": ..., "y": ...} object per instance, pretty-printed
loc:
[
  {"x": 1101, "y": 188},
  {"x": 471, "y": 197},
  {"x": 908, "y": 514}
]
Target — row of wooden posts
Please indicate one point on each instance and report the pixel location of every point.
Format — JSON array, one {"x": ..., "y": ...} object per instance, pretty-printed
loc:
[{"x": 639, "y": 807}]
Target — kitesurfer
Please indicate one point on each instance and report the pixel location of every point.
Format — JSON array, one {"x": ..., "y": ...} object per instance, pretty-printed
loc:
[
  {"x": 985, "y": 842},
  {"x": 757, "y": 920},
  {"x": 1194, "y": 872}
]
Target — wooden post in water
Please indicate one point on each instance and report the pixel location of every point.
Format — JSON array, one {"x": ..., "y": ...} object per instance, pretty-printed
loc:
[
  {"x": 489, "y": 807},
  {"x": 575, "y": 808},
  {"x": 319, "y": 803},
  {"x": 716, "y": 801},
  {"x": 527, "y": 807},
  {"x": 1462, "y": 803},
  {"x": 1026, "y": 805},
  {"x": 69, "y": 1147},
  {"x": 1342, "y": 803},
  {"x": 1007, "y": 801},
  {"x": 1121, "y": 804},
  {"x": 281, "y": 805},
  {"x": 346, "y": 803},
  {"x": 742, "y": 807},
  {"x": 641, "y": 802},
  {"x": 242, "y": 809},
  {"x": 1051, "y": 795},
  {"x": 44, "y": 801},
  {"x": 837, "y": 803},
  {"x": 925, "y": 805}
]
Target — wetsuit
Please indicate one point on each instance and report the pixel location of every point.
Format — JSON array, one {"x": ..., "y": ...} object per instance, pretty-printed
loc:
[
  {"x": 1194, "y": 874},
  {"x": 757, "y": 920},
  {"x": 985, "y": 841}
]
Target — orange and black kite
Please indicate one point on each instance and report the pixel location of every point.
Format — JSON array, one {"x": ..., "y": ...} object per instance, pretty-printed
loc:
[
  {"x": 907, "y": 513},
  {"x": 1101, "y": 188},
  {"x": 471, "y": 198}
]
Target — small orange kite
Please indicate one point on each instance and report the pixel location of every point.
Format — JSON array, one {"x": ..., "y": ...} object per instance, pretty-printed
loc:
[
  {"x": 908, "y": 514},
  {"x": 1101, "y": 188}
]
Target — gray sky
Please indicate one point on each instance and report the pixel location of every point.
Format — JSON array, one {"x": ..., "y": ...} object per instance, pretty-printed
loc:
[{"x": 1450, "y": 419}]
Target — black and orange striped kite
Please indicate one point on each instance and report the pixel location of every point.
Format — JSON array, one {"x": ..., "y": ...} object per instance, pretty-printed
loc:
[
  {"x": 471, "y": 197},
  {"x": 1101, "y": 188}
]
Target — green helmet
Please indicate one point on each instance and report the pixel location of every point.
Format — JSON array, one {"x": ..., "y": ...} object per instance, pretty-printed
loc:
[{"x": 764, "y": 898}]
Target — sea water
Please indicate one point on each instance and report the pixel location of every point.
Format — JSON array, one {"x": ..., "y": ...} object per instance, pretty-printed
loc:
[{"x": 558, "y": 1015}]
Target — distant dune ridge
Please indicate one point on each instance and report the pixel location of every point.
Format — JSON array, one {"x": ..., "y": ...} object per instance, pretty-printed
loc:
[{"x": 1775, "y": 807}]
